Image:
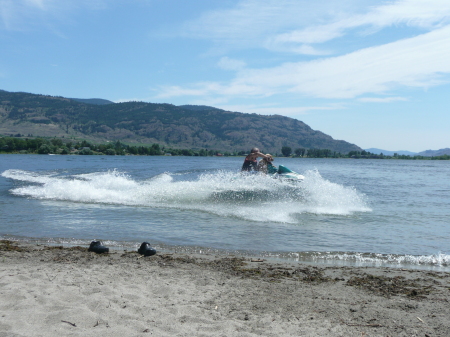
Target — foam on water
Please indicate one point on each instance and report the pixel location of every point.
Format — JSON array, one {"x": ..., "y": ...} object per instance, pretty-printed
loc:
[
  {"x": 325, "y": 197},
  {"x": 370, "y": 259},
  {"x": 111, "y": 187},
  {"x": 224, "y": 193}
]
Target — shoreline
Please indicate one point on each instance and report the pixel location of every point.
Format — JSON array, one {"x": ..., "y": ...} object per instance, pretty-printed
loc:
[
  {"x": 319, "y": 259},
  {"x": 48, "y": 290}
]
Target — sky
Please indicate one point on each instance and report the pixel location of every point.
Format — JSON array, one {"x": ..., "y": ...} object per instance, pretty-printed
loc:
[{"x": 372, "y": 73}]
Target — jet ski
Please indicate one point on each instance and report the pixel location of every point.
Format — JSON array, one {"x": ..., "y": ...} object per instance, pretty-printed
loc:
[
  {"x": 281, "y": 172},
  {"x": 284, "y": 173}
]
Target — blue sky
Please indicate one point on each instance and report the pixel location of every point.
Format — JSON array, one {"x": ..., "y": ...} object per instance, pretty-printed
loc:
[{"x": 373, "y": 73}]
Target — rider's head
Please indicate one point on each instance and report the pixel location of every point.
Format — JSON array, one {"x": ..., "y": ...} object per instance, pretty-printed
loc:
[{"x": 254, "y": 150}]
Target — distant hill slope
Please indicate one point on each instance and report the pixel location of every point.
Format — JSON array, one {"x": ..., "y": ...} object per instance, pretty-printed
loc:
[
  {"x": 434, "y": 153},
  {"x": 190, "y": 126},
  {"x": 390, "y": 153}
]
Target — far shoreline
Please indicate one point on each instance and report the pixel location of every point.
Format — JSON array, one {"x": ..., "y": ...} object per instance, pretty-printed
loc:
[{"x": 386, "y": 157}]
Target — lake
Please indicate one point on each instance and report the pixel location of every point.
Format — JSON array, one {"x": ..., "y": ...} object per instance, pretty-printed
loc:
[{"x": 346, "y": 212}]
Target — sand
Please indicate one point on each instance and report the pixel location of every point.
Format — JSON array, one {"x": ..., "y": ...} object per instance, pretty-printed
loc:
[{"x": 56, "y": 291}]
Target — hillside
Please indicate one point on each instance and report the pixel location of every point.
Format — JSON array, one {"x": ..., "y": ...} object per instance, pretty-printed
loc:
[
  {"x": 390, "y": 153},
  {"x": 431, "y": 153},
  {"x": 190, "y": 126}
]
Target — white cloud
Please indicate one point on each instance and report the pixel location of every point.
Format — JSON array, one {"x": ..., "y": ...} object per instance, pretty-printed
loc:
[
  {"x": 215, "y": 102},
  {"x": 417, "y": 13},
  {"x": 421, "y": 61},
  {"x": 420, "y": 13},
  {"x": 24, "y": 14},
  {"x": 275, "y": 110},
  {"x": 315, "y": 34},
  {"x": 292, "y": 26},
  {"x": 230, "y": 64},
  {"x": 199, "y": 89},
  {"x": 251, "y": 23},
  {"x": 285, "y": 45},
  {"x": 415, "y": 62},
  {"x": 381, "y": 99}
]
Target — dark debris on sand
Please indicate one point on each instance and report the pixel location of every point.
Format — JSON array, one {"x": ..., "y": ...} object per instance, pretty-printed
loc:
[
  {"x": 242, "y": 267},
  {"x": 11, "y": 246},
  {"x": 238, "y": 266},
  {"x": 391, "y": 286}
]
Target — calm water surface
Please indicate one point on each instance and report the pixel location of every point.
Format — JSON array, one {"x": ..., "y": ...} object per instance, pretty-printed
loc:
[{"x": 363, "y": 212}]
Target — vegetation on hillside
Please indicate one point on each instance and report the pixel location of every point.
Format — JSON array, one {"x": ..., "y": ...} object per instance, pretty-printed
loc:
[{"x": 190, "y": 126}]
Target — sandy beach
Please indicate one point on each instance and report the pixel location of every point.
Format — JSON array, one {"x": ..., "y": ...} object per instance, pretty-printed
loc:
[{"x": 57, "y": 291}]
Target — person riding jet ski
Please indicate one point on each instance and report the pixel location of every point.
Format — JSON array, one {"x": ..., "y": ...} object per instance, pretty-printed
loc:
[
  {"x": 251, "y": 162},
  {"x": 265, "y": 165}
]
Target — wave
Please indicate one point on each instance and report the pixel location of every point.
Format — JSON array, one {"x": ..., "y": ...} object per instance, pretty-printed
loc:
[
  {"x": 369, "y": 259},
  {"x": 224, "y": 193},
  {"x": 437, "y": 262}
]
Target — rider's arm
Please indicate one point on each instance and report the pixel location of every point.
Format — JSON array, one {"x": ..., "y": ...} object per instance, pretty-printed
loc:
[{"x": 259, "y": 154}]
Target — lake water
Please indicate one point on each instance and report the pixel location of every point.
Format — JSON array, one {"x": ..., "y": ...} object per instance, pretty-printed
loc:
[{"x": 346, "y": 212}]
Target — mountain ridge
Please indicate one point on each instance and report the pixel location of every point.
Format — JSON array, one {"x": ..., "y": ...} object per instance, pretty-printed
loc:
[
  {"x": 390, "y": 153},
  {"x": 434, "y": 153},
  {"x": 427, "y": 153},
  {"x": 194, "y": 127}
]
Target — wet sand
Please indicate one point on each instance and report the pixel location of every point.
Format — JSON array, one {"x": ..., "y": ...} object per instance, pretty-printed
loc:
[{"x": 56, "y": 291}]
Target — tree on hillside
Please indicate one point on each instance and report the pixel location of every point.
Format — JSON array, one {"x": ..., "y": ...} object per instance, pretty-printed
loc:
[
  {"x": 110, "y": 152},
  {"x": 45, "y": 149},
  {"x": 286, "y": 151},
  {"x": 57, "y": 142},
  {"x": 300, "y": 152}
]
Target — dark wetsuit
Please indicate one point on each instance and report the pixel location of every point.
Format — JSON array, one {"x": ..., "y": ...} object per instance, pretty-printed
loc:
[{"x": 249, "y": 165}]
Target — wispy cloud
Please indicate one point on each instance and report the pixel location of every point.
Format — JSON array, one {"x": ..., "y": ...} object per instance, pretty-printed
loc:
[
  {"x": 231, "y": 64},
  {"x": 271, "y": 109},
  {"x": 421, "y": 61},
  {"x": 381, "y": 99},
  {"x": 208, "y": 89},
  {"x": 251, "y": 22},
  {"x": 417, "y": 13},
  {"x": 199, "y": 89},
  {"x": 293, "y": 26},
  {"x": 18, "y": 15},
  {"x": 420, "y": 13}
]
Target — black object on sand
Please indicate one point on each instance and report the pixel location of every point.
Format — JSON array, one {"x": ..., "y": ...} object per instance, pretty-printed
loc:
[
  {"x": 97, "y": 247},
  {"x": 146, "y": 250}
]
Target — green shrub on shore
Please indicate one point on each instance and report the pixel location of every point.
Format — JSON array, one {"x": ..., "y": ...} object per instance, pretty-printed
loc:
[
  {"x": 61, "y": 146},
  {"x": 38, "y": 145}
]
